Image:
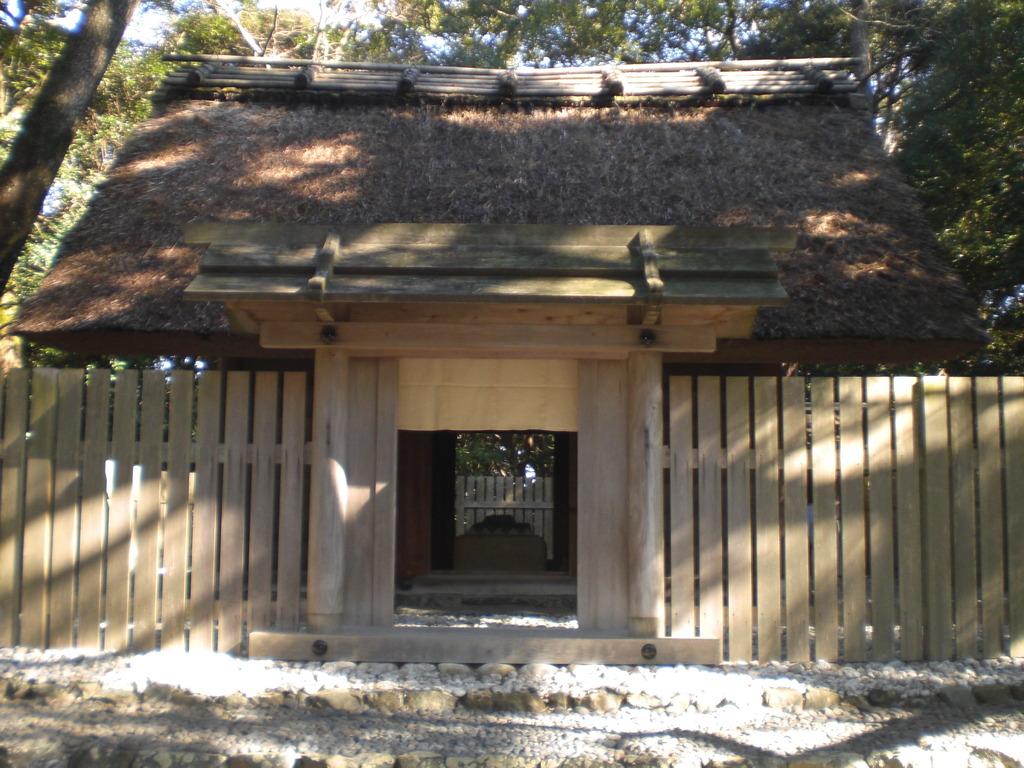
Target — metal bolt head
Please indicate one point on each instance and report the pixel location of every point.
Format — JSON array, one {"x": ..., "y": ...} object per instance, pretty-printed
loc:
[
  {"x": 649, "y": 651},
  {"x": 647, "y": 337},
  {"x": 328, "y": 334},
  {"x": 319, "y": 647}
]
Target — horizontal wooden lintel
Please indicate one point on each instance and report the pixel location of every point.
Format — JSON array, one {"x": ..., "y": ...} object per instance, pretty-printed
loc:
[
  {"x": 489, "y": 235},
  {"x": 561, "y": 341},
  {"x": 480, "y": 646}
]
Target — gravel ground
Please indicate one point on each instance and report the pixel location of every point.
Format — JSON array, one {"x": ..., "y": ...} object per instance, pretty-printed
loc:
[{"x": 693, "y": 715}]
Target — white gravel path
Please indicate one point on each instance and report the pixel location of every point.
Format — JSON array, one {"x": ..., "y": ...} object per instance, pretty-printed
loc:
[{"x": 686, "y": 713}]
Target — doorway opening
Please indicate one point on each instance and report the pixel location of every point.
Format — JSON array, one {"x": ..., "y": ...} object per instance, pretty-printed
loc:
[{"x": 486, "y": 529}]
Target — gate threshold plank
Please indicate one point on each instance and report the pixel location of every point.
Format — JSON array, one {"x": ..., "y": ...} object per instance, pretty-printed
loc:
[{"x": 474, "y": 646}]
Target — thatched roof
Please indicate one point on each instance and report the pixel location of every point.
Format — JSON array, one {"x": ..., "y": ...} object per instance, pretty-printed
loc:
[{"x": 866, "y": 266}]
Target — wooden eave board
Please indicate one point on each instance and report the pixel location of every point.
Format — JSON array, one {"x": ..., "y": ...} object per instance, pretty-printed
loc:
[
  {"x": 471, "y": 259},
  {"x": 382, "y": 288},
  {"x": 490, "y": 235}
]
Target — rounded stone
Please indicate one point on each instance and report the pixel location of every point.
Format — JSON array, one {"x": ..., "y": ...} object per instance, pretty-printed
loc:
[
  {"x": 602, "y": 701},
  {"x": 388, "y": 702},
  {"x": 454, "y": 671},
  {"x": 377, "y": 669},
  {"x": 821, "y": 698},
  {"x": 420, "y": 760},
  {"x": 430, "y": 702},
  {"x": 788, "y": 699},
  {"x": 519, "y": 701},
  {"x": 340, "y": 699},
  {"x": 495, "y": 670}
]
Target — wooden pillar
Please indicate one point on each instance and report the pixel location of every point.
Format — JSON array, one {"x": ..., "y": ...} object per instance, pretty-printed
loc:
[
  {"x": 645, "y": 530},
  {"x": 602, "y": 579},
  {"x": 328, "y": 490}
]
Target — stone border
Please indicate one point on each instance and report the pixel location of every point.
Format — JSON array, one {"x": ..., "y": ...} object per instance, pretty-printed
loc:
[
  {"x": 432, "y": 701},
  {"x": 118, "y": 757}
]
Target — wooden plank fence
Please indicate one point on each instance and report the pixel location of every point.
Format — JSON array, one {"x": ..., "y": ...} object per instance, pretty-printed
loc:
[
  {"x": 143, "y": 510},
  {"x": 885, "y": 521},
  {"x": 529, "y": 500},
  {"x": 842, "y": 519}
]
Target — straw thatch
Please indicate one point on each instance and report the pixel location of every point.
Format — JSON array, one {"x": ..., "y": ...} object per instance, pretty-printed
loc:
[{"x": 866, "y": 266}]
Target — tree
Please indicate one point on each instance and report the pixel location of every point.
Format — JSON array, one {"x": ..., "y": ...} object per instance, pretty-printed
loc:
[
  {"x": 961, "y": 130},
  {"x": 49, "y": 127}
]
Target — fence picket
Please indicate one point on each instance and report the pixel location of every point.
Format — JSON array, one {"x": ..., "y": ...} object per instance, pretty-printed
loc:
[
  {"x": 880, "y": 530},
  {"x": 176, "y": 518},
  {"x": 145, "y": 600},
  {"x": 741, "y": 555},
  {"x": 709, "y": 493},
  {"x": 289, "y": 537},
  {"x": 936, "y": 494},
  {"x": 766, "y": 485},
  {"x": 853, "y": 532},
  {"x": 64, "y": 547},
  {"x": 38, "y": 507},
  {"x": 964, "y": 532},
  {"x": 231, "y": 579},
  {"x": 91, "y": 552},
  {"x": 796, "y": 538},
  {"x": 12, "y": 502},
  {"x": 204, "y": 513},
  {"x": 261, "y": 500},
  {"x": 1013, "y": 460},
  {"x": 908, "y": 519},
  {"x": 825, "y": 510},
  {"x": 119, "y": 530},
  {"x": 990, "y": 514},
  {"x": 681, "y": 487}
]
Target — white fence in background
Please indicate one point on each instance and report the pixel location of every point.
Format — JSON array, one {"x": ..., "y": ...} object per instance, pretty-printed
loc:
[{"x": 528, "y": 500}]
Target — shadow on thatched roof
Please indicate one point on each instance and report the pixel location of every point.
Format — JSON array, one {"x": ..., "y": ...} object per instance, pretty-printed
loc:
[{"x": 866, "y": 265}]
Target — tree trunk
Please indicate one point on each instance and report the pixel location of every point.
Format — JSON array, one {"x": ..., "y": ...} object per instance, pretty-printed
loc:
[
  {"x": 236, "y": 20},
  {"x": 860, "y": 42},
  {"x": 49, "y": 127}
]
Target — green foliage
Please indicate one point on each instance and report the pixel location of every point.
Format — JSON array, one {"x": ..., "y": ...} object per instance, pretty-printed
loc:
[
  {"x": 121, "y": 102},
  {"x": 963, "y": 148},
  {"x": 504, "y": 453}
]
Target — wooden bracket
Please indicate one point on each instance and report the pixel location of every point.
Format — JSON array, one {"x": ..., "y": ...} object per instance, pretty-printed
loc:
[
  {"x": 508, "y": 82},
  {"x": 711, "y": 78},
  {"x": 611, "y": 82},
  {"x": 407, "y": 82},
  {"x": 821, "y": 81},
  {"x": 199, "y": 74},
  {"x": 642, "y": 246},
  {"x": 307, "y": 77},
  {"x": 325, "y": 258}
]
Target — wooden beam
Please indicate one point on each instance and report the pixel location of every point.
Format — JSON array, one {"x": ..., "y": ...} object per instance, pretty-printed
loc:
[
  {"x": 404, "y": 339},
  {"x": 435, "y": 259},
  {"x": 474, "y": 646},
  {"x": 646, "y": 528},
  {"x": 712, "y": 291},
  {"x": 328, "y": 490},
  {"x": 665, "y": 236}
]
